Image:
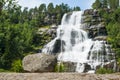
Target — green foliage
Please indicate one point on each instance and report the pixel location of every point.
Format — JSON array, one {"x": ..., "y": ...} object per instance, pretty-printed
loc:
[
  {"x": 113, "y": 29},
  {"x": 77, "y": 8},
  {"x": 88, "y": 19},
  {"x": 112, "y": 22},
  {"x": 3, "y": 70},
  {"x": 97, "y": 4},
  {"x": 59, "y": 67},
  {"x": 17, "y": 66},
  {"x": 104, "y": 71},
  {"x": 101, "y": 4},
  {"x": 104, "y": 3},
  {"x": 118, "y": 62},
  {"x": 50, "y": 8},
  {"x": 41, "y": 39},
  {"x": 15, "y": 42},
  {"x": 114, "y": 4},
  {"x": 15, "y": 36}
]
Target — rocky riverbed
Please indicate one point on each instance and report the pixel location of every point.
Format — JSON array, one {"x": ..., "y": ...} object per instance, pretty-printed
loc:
[{"x": 58, "y": 76}]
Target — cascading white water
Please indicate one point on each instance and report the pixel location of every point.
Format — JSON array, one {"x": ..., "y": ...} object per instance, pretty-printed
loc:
[{"x": 75, "y": 44}]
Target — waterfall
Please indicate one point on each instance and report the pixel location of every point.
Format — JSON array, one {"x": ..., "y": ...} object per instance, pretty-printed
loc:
[{"x": 73, "y": 45}]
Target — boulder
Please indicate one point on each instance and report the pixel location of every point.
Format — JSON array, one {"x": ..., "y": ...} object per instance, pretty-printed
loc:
[{"x": 39, "y": 63}]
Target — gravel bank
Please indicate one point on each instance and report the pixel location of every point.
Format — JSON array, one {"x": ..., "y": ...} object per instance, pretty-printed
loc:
[{"x": 57, "y": 76}]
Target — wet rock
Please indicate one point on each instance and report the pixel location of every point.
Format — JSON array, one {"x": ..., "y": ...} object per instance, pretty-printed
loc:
[
  {"x": 90, "y": 34},
  {"x": 39, "y": 63},
  {"x": 96, "y": 13},
  {"x": 100, "y": 38},
  {"x": 109, "y": 65},
  {"x": 87, "y": 67},
  {"x": 57, "y": 46}
]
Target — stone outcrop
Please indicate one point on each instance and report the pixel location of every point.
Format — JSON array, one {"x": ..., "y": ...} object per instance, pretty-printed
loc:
[
  {"x": 51, "y": 31},
  {"x": 93, "y": 23},
  {"x": 39, "y": 63}
]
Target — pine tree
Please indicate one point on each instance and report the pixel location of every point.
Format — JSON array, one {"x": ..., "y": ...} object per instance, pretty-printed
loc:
[
  {"x": 105, "y": 4},
  {"x": 113, "y": 4},
  {"x": 97, "y": 4}
]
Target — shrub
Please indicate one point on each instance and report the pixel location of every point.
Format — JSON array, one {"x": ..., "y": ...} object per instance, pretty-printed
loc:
[
  {"x": 104, "y": 71},
  {"x": 17, "y": 66},
  {"x": 59, "y": 67},
  {"x": 2, "y": 70}
]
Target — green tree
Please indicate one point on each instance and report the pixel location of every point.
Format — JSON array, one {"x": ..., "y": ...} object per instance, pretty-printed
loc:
[
  {"x": 113, "y": 4},
  {"x": 97, "y": 4},
  {"x": 76, "y": 8},
  {"x": 113, "y": 29},
  {"x": 50, "y": 9},
  {"x": 17, "y": 39},
  {"x": 25, "y": 14},
  {"x": 42, "y": 8},
  {"x": 105, "y": 4},
  {"x": 42, "y": 15},
  {"x": 1, "y": 5}
]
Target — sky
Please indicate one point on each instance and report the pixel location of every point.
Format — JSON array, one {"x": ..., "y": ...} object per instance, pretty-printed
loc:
[{"x": 83, "y": 4}]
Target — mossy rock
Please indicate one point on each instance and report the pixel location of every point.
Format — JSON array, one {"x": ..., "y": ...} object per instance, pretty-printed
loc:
[{"x": 87, "y": 18}]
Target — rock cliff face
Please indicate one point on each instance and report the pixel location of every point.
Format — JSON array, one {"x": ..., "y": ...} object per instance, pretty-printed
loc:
[
  {"x": 91, "y": 22},
  {"x": 94, "y": 24}
]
